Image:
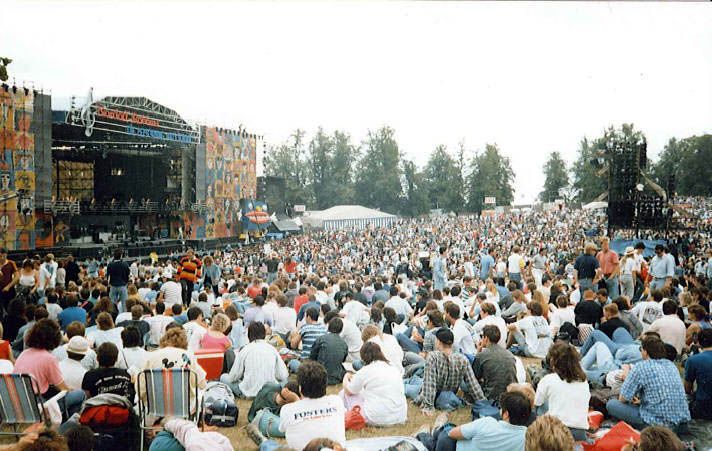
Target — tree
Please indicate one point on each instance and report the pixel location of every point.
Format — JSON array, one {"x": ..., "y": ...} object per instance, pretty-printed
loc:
[
  {"x": 331, "y": 160},
  {"x": 491, "y": 175},
  {"x": 589, "y": 181},
  {"x": 439, "y": 173},
  {"x": 4, "y": 62},
  {"x": 379, "y": 181},
  {"x": 688, "y": 160},
  {"x": 415, "y": 200},
  {"x": 342, "y": 168},
  {"x": 557, "y": 178},
  {"x": 288, "y": 161},
  {"x": 319, "y": 158}
]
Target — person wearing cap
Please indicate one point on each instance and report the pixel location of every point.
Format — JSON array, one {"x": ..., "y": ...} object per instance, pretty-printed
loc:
[
  {"x": 662, "y": 268},
  {"x": 628, "y": 265},
  {"x": 445, "y": 372},
  {"x": 72, "y": 369}
]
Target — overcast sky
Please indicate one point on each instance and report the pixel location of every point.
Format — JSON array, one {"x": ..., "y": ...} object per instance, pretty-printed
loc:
[{"x": 532, "y": 78}]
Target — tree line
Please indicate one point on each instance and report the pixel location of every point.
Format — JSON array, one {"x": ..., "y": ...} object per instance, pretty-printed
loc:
[
  {"x": 685, "y": 162},
  {"x": 332, "y": 169}
]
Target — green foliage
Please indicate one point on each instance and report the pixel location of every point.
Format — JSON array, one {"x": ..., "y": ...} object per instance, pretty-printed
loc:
[
  {"x": 4, "y": 62},
  {"x": 491, "y": 174},
  {"x": 288, "y": 161},
  {"x": 415, "y": 199},
  {"x": 689, "y": 160},
  {"x": 557, "y": 178},
  {"x": 439, "y": 173},
  {"x": 378, "y": 184},
  {"x": 331, "y": 160},
  {"x": 588, "y": 183}
]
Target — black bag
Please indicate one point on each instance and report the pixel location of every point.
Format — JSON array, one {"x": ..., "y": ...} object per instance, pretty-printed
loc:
[
  {"x": 220, "y": 407},
  {"x": 569, "y": 329}
]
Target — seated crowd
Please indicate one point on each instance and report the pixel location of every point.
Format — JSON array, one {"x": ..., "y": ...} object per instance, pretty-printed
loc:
[{"x": 381, "y": 342}]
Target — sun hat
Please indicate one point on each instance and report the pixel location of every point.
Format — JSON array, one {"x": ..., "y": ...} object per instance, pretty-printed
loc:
[{"x": 78, "y": 345}]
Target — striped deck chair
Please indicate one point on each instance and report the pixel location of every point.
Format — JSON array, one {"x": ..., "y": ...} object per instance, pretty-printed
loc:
[
  {"x": 167, "y": 393},
  {"x": 18, "y": 402}
]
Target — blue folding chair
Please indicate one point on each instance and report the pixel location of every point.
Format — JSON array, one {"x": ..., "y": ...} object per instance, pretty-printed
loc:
[
  {"x": 167, "y": 393},
  {"x": 19, "y": 402}
]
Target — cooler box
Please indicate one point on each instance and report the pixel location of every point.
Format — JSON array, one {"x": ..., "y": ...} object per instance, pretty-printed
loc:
[{"x": 211, "y": 360}]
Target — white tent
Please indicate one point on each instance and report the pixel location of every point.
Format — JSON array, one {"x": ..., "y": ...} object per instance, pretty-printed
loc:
[
  {"x": 595, "y": 206},
  {"x": 347, "y": 216}
]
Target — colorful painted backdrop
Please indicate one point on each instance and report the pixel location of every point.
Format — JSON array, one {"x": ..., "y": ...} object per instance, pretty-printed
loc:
[
  {"x": 17, "y": 170},
  {"x": 230, "y": 174}
]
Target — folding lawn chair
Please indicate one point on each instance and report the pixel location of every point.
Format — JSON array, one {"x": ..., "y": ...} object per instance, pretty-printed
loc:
[{"x": 167, "y": 393}]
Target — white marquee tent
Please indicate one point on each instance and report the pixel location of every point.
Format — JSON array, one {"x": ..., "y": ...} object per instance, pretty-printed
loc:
[{"x": 347, "y": 216}]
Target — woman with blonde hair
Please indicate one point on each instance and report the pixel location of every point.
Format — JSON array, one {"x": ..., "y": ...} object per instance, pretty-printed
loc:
[
  {"x": 215, "y": 337},
  {"x": 538, "y": 296}
]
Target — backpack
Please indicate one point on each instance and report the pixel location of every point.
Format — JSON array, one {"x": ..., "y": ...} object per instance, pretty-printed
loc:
[
  {"x": 570, "y": 330},
  {"x": 105, "y": 416},
  {"x": 220, "y": 407}
]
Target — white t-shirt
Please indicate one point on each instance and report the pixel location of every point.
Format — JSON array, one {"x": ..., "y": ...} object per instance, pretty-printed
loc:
[
  {"x": 73, "y": 373},
  {"x": 285, "y": 320},
  {"x": 536, "y": 334},
  {"x": 307, "y": 419},
  {"x": 561, "y": 316},
  {"x": 381, "y": 386},
  {"x": 195, "y": 333},
  {"x": 567, "y": 401},
  {"x": 514, "y": 263},
  {"x": 464, "y": 342},
  {"x": 494, "y": 321},
  {"x": 132, "y": 360},
  {"x": 355, "y": 312},
  {"x": 401, "y": 306},
  {"x": 352, "y": 336},
  {"x": 172, "y": 293},
  {"x": 391, "y": 350},
  {"x": 628, "y": 266}
]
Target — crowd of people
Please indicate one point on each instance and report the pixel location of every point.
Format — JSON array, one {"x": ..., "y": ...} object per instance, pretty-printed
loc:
[{"x": 529, "y": 320}]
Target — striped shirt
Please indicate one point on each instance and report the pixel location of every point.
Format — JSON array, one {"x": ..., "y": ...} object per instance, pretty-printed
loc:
[
  {"x": 309, "y": 333},
  {"x": 189, "y": 268}
]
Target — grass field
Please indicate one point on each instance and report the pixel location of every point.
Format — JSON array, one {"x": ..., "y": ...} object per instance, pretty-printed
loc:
[{"x": 240, "y": 441}]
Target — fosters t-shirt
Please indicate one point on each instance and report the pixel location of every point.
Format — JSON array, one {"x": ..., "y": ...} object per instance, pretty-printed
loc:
[{"x": 308, "y": 419}]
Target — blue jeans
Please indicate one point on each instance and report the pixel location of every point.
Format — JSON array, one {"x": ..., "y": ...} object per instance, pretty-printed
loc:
[
  {"x": 408, "y": 344},
  {"x": 439, "y": 440},
  {"x": 118, "y": 296},
  {"x": 657, "y": 284},
  {"x": 585, "y": 284},
  {"x": 445, "y": 400},
  {"x": 620, "y": 337},
  {"x": 598, "y": 362},
  {"x": 612, "y": 287},
  {"x": 268, "y": 424},
  {"x": 270, "y": 445},
  {"x": 626, "y": 412}
]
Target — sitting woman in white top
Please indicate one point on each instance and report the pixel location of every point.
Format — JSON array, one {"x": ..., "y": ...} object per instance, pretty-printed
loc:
[
  {"x": 565, "y": 393},
  {"x": 377, "y": 388},
  {"x": 106, "y": 332}
]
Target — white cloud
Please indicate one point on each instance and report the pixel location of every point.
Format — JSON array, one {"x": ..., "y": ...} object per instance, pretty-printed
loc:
[{"x": 532, "y": 77}]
